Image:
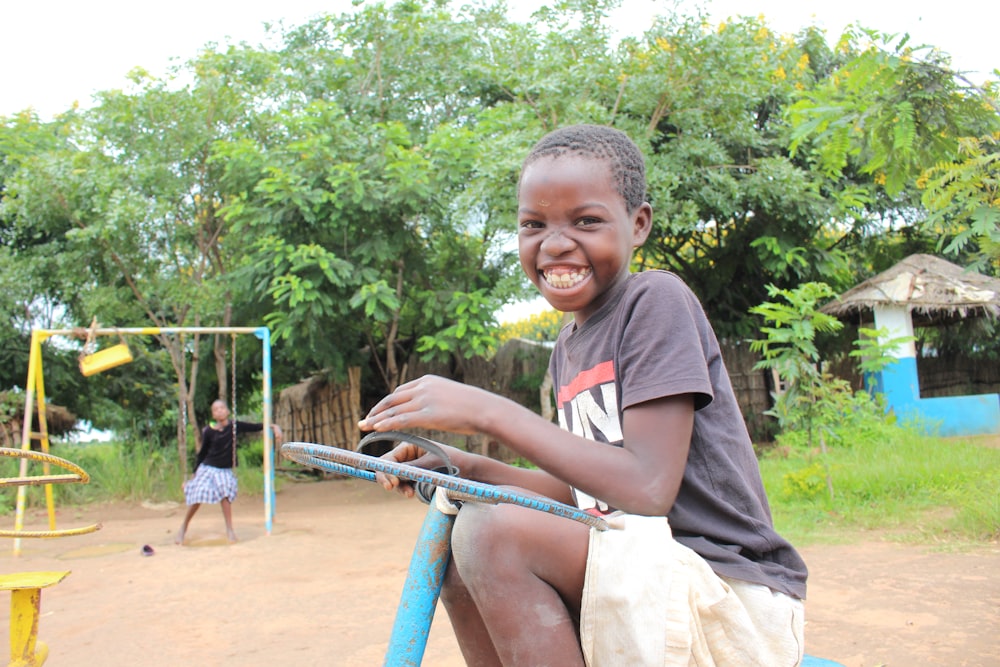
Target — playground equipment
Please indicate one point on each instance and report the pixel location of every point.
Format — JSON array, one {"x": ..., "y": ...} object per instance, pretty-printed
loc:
[
  {"x": 26, "y": 650},
  {"x": 432, "y": 552},
  {"x": 93, "y": 362},
  {"x": 115, "y": 356},
  {"x": 76, "y": 475},
  {"x": 25, "y": 587}
]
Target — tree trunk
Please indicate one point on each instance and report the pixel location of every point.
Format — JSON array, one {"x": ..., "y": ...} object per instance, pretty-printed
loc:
[
  {"x": 219, "y": 348},
  {"x": 391, "y": 365},
  {"x": 185, "y": 393}
]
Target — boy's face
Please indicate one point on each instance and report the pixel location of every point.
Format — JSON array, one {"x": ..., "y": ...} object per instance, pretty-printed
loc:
[{"x": 575, "y": 235}]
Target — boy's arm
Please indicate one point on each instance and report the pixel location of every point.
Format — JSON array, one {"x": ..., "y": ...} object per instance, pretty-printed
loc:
[{"x": 642, "y": 477}]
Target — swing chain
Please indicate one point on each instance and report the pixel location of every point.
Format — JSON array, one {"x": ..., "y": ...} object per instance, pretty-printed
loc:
[
  {"x": 90, "y": 342},
  {"x": 232, "y": 378},
  {"x": 181, "y": 399}
]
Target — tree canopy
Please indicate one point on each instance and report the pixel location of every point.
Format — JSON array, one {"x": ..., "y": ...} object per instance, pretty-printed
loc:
[{"x": 353, "y": 188}]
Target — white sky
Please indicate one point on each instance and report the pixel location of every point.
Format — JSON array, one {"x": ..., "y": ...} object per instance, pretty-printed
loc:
[{"x": 56, "y": 52}]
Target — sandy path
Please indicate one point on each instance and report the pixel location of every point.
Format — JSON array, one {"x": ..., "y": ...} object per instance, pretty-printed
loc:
[{"x": 322, "y": 589}]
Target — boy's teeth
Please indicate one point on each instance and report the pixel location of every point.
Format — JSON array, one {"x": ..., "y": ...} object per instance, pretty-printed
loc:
[{"x": 567, "y": 279}]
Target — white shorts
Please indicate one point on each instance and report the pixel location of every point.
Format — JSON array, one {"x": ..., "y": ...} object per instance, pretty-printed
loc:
[{"x": 649, "y": 600}]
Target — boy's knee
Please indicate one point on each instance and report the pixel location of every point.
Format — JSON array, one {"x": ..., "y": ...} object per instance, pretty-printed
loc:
[
  {"x": 480, "y": 533},
  {"x": 471, "y": 524}
]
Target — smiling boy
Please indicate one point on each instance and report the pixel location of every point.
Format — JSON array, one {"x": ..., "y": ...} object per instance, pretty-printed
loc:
[{"x": 649, "y": 435}]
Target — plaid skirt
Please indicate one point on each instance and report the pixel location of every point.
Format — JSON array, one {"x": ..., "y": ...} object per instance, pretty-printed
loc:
[{"x": 210, "y": 485}]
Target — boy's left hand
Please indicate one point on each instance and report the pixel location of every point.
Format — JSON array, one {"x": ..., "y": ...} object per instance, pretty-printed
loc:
[
  {"x": 430, "y": 402},
  {"x": 405, "y": 452}
]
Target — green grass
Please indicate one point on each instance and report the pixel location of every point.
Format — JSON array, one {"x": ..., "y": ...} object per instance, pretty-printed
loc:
[
  {"x": 896, "y": 482},
  {"x": 892, "y": 481}
]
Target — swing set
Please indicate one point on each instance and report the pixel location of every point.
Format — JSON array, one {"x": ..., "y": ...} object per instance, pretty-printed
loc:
[{"x": 92, "y": 362}]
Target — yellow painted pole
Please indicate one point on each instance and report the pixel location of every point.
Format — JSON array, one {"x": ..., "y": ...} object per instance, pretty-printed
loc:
[
  {"x": 26, "y": 650},
  {"x": 43, "y": 430},
  {"x": 34, "y": 370}
]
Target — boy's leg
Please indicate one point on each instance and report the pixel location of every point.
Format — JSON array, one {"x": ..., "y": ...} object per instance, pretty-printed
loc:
[
  {"x": 524, "y": 570},
  {"x": 179, "y": 538},
  {"x": 473, "y": 636}
]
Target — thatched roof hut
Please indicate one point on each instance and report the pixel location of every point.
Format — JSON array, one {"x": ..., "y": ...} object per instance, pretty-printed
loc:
[
  {"x": 59, "y": 420},
  {"x": 933, "y": 290}
]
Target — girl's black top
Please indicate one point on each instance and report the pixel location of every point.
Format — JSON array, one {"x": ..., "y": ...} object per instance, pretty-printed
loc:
[{"x": 217, "y": 444}]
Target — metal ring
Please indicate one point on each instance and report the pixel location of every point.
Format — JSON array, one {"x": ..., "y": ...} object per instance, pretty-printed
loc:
[
  {"x": 362, "y": 466},
  {"x": 424, "y": 490},
  {"x": 77, "y": 474}
]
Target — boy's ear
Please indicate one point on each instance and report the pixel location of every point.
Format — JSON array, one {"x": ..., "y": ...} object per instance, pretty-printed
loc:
[{"x": 642, "y": 224}]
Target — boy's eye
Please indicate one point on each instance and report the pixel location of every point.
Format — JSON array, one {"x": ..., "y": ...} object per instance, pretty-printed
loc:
[
  {"x": 530, "y": 224},
  {"x": 583, "y": 222}
]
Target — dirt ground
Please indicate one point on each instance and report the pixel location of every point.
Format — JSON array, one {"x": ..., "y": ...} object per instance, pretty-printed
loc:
[{"x": 323, "y": 587}]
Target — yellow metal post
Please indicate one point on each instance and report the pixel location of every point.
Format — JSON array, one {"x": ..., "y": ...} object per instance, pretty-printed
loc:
[
  {"x": 34, "y": 372},
  {"x": 43, "y": 437},
  {"x": 26, "y": 650}
]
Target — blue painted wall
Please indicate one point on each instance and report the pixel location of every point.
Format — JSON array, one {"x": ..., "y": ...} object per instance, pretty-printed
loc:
[{"x": 947, "y": 416}]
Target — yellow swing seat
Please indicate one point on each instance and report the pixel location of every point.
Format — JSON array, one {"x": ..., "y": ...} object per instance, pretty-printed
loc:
[{"x": 102, "y": 360}]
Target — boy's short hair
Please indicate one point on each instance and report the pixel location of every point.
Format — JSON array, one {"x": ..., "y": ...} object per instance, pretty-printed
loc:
[{"x": 628, "y": 169}]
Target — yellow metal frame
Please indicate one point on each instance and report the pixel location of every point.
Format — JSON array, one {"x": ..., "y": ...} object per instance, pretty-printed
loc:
[
  {"x": 34, "y": 386},
  {"x": 76, "y": 475},
  {"x": 26, "y": 650}
]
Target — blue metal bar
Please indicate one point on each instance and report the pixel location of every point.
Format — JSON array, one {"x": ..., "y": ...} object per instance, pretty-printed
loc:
[
  {"x": 264, "y": 334},
  {"x": 810, "y": 661},
  {"x": 421, "y": 591},
  {"x": 356, "y": 464},
  {"x": 433, "y": 549}
]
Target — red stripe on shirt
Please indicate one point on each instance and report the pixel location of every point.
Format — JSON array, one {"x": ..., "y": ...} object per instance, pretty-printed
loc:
[{"x": 592, "y": 377}]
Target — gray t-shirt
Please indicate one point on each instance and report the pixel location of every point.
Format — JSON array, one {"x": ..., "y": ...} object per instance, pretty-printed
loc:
[{"x": 650, "y": 340}]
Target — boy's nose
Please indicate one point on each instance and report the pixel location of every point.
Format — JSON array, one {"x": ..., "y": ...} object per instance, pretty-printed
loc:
[{"x": 557, "y": 243}]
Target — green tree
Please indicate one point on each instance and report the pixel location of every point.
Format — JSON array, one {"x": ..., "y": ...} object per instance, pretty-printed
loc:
[
  {"x": 123, "y": 216},
  {"x": 789, "y": 347},
  {"x": 732, "y": 208},
  {"x": 900, "y": 114},
  {"x": 963, "y": 198},
  {"x": 363, "y": 206},
  {"x": 366, "y": 238}
]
